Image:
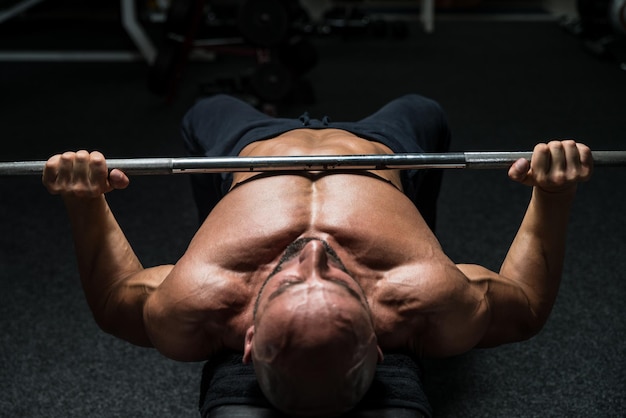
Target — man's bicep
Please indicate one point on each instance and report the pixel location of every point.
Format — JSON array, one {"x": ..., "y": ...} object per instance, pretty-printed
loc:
[{"x": 509, "y": 314}]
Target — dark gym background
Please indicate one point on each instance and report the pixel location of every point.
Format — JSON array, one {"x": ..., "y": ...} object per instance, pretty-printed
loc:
[{"x": 505, "y": 84}]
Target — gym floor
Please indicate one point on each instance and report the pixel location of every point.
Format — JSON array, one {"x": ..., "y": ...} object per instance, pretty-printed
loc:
[{"x": 505, "y": 84}]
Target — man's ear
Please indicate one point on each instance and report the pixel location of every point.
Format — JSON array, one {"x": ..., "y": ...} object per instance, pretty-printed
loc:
[
  {"x": 247, "y": 347},
  {"x": 380, "y": 354}
]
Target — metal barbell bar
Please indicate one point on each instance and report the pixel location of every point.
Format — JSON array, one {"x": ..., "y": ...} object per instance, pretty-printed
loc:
[{"x": 403, "y": 161}]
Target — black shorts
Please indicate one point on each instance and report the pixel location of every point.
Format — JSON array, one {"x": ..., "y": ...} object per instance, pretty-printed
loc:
[{"x": 223, "y": 125}]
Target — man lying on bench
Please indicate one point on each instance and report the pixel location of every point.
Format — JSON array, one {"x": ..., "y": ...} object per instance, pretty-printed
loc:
[{"x": 314, "y": 276}]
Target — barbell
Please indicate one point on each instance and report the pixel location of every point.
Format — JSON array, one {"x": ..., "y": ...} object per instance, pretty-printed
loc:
[{"x": 402, "y": 161}]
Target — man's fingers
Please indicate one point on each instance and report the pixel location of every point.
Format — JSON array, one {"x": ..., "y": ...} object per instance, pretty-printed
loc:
[
  {"x": 540, "y": 164},
  {"x": 50, "y": 172},
  {"x": 586, "y": 161},
  {"x": 118, "y": 180},
  {"x": 80, "y": 171},
  {"x": 573, "y": 170},
  {"x": 559, "y": 165},
  {"x": 558, "y": 159},
  {"x": 81, "y": 174},
  {"x": 66, "y": 166},
  {"x": 98, "y": 171},
  {"x": 519, "y": 170},
  {"x": 556, "y": 170}
]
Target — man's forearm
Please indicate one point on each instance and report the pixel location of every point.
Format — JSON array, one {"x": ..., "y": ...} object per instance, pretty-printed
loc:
[
  {"x": 535, "y": 259},
  {"x": 105, "y": 262}
]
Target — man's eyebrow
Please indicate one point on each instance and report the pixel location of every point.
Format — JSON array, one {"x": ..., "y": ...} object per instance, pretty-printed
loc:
[
  {"x": 276, "y": 293},
  {"x": 351, "y": 291}
]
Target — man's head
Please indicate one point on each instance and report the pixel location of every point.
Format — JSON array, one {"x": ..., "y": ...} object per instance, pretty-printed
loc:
[{"x": 312, "y": 343}]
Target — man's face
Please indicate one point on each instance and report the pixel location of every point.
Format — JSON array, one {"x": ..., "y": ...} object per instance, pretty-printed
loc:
[
  {"x": 310, "y": 272},
  {"x": 311, "y": 302}
]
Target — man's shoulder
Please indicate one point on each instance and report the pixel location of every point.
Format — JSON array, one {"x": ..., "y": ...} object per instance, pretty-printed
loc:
[
  {"x": 435, "y": 312},
  {"x": 422, "y": 282},
  {"x": 205, "y": 285}
]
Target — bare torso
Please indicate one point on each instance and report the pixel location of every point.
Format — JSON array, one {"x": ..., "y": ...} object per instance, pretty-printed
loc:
[{"x": 375, "y": 229}]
